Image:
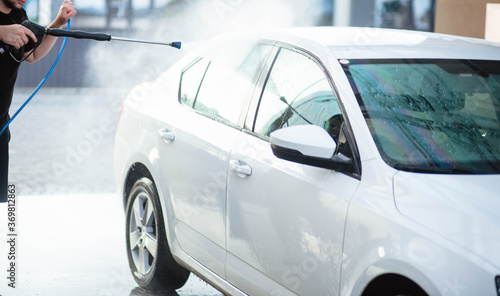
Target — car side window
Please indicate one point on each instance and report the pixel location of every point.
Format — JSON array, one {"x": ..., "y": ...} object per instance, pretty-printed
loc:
[
  {"x": 191, "y": 79},
  {"x": 229, "y": 80},
  {"x": 297, "y": 92}
]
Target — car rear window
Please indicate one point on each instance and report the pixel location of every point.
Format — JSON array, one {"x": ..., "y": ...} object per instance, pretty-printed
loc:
[{"x": 219, "y": 83}]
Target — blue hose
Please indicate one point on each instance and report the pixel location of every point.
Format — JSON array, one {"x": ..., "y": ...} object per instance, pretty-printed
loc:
[{"x": 40, "y": 84}]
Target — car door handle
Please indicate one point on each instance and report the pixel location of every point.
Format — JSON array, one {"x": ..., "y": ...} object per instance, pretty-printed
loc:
[
  {"x": 167, "y": 135},
  {"x": 242, "y": 170}
]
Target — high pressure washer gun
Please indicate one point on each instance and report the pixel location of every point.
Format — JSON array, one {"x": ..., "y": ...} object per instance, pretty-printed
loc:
[{"x": 39, "y": 31}]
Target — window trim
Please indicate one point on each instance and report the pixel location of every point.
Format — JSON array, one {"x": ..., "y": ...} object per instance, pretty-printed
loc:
[
  {"x": 252, "y": 113},
  {"x": 260, "y": 78},
  {"x": 191, "y": 64},
  {"x": 246, "y": 102},
  {"x": 191, "y": 107}
]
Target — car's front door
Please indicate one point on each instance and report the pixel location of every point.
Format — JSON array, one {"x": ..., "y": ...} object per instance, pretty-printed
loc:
[{"x": 286, "y": 220}]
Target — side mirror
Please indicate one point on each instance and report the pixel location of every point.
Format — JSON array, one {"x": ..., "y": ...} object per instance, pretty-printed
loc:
[{"x": 308, "y": 144}]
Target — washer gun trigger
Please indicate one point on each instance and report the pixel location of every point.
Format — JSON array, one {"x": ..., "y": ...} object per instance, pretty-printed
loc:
[{"x": 38, "y": 30}]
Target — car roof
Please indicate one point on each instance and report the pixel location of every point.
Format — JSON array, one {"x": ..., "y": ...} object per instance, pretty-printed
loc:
[{"x": 363, "y": 43}]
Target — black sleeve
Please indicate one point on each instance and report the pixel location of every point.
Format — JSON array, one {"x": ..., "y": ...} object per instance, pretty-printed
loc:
[{"x": 23, "y": 17}]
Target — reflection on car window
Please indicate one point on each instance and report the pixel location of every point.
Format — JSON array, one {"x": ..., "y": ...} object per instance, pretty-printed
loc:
[
  {"x": 297, "y": 92},
  {"x": 190, "y": 81},
  {"x": 229, "y": 80},
  {"x": 431, "y": 115}
]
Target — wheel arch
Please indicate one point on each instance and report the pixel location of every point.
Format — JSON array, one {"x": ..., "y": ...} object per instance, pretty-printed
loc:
[
  {"x": 389, "y": 284},
  {"x": 143, "y": 169},
  {"x": 164, "y": 272},
  {"x": 136, "y": 171}
]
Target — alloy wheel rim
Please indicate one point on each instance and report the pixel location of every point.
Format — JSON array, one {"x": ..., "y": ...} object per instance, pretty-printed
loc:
[{"x": 142, "y": 233}]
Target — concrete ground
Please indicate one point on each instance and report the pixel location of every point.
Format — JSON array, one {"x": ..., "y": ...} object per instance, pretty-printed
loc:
[{"x": 72, "y": 244}]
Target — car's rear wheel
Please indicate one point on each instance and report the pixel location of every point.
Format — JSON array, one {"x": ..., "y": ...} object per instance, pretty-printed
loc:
[{"x": 150, "y": 260}]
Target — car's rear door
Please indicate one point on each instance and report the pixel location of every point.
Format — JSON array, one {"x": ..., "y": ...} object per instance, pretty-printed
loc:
[
  {"x": 286, "y": 220},
  {"x": 196, "y": 143}
]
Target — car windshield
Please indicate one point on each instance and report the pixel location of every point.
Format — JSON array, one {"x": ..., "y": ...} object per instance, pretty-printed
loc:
[{"x": 439, "y": 116}]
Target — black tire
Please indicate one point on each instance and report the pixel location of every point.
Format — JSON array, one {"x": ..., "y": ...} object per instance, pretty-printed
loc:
[{"x": 150, "y": 261}]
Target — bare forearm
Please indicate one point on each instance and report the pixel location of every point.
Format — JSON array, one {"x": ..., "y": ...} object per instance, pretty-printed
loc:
[
  {"x": 44, "y": 48},
  {"x": 66, "y": 11}
]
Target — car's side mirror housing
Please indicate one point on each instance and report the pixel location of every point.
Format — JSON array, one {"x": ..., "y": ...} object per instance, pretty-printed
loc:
[{"x": 308, "y": 144}]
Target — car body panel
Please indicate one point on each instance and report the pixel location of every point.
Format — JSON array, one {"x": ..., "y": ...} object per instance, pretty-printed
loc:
[
  {"x": 464, "y": 211},
  {"x": 379, "y": 240},
  {"x": 366, "y": 43},
  {"x": 196, "y": 168},
  {"x": 273, "y": 218}
]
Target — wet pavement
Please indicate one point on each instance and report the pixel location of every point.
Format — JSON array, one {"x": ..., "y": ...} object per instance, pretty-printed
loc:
[
  {"x": 62, "y": 141},
  {"x": 72, "y": 245},
  {"x": 69, "y": 222}
]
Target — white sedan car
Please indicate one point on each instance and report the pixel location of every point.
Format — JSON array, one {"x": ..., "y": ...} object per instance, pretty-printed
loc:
[{"x": 317, "y": 161}]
